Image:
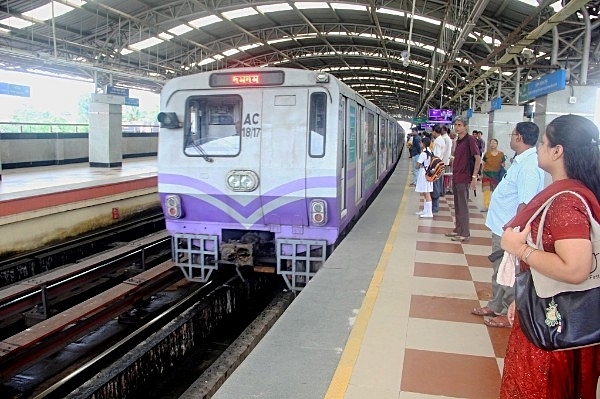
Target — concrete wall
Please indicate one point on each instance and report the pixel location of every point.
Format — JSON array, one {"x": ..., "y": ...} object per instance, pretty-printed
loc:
[{"x": 21, "y": 150}]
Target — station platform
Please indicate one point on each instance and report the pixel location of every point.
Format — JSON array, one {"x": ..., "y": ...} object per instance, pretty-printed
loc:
[
  {"x": 43, "y": 204},
  {"x": 388, "y": 316}
]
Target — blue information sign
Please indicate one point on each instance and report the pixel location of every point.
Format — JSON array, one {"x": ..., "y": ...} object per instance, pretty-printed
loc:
[
  {"x": 546, "y": 84},
  {"x": 117, "y": 91},
  {"x": 14, "y": 90},
  {"x": 496, "y": 104},
  {"x": 134, "y": 102}
]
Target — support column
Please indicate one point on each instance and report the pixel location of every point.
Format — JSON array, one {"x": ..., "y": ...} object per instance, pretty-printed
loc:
[
  {"x": 480, "y": 121},
  {"x": 106, "y": 133},
  {"x": 578, "y": 100},
  {"x": 502, "y": 122}
]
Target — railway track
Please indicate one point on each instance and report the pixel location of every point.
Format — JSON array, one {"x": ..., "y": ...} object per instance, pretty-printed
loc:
[
  {"x": 88, "y": 312},
  {"x": 21, "y": 266}
]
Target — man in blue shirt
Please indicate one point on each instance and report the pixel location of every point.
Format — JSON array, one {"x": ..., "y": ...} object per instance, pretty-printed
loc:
[
  {"x": 415, "y": 150},
  {"x": 523, "y": 180}
]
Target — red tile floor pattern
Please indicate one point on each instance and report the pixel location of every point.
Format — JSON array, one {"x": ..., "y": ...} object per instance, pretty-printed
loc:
[{"x": 441, "y": 362}]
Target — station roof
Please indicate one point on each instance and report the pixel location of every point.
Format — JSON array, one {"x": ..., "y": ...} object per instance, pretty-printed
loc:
[{"x": 404, "y": 56}]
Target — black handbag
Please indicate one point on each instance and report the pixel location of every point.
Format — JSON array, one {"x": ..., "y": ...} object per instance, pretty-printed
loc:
[
  {"x": 555, "y": 315},
  {"x": 564, "y": 321}
]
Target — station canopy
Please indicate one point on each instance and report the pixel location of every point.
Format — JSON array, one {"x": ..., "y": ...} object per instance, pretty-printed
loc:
[{"x": 404, "y": 56}]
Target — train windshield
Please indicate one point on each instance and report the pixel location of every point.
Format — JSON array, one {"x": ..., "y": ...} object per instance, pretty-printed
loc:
[{"x": 213, "y": 125}]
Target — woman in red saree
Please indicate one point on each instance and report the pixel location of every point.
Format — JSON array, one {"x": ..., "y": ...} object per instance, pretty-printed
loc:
[{"x": 569, "y": 152}]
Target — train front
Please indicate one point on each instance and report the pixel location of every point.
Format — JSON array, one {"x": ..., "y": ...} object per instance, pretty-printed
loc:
[{"x": 243, "y": 178}]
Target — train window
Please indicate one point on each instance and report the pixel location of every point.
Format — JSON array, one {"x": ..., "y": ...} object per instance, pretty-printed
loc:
[
  {"x": 317, "y": 124},
  {"x": 212, "y": 126},
  {"x": 370, "y": 133}
]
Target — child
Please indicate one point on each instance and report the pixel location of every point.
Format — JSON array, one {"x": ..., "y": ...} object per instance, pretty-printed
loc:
[{"x": 423, "y": 186}]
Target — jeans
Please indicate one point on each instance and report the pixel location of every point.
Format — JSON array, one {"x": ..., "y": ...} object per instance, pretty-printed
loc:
[{"x": 415, "y": 170}]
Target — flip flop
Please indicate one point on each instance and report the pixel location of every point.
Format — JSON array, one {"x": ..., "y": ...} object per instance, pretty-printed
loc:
[
  {"x": 460, "y": 238},
  {"x": 484, "y": 311},
  {"x": 451, "y": 234},
  {"x": 498, "y": 321}
]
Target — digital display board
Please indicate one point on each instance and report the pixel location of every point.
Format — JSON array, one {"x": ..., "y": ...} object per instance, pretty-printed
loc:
[
  {"x": 246, "y": 79},
  {"x": 437, "y": 115}
]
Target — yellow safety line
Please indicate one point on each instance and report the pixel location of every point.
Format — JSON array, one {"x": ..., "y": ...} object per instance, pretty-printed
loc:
[{"x": 341, "y": 378}]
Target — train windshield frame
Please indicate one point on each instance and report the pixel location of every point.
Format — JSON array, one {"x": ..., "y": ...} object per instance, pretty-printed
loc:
[{"x": 212, "y": 126}]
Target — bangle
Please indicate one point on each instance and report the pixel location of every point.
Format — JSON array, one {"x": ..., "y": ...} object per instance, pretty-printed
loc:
[
  {"x": 522, "y": 251},
  {"x": 474, "y": 176},
  {"x": 532, "y": 250}
]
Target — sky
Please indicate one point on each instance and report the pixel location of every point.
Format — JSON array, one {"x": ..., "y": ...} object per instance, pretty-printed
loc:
[{"x": 56, "y": 95}]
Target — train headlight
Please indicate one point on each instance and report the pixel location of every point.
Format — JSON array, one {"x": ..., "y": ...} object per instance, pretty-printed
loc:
[
  {"x": 173, "y": 206},
  {"x": 322, "y": 77},
  {"x": 242, "y": 180},
  {"x": 318, "y": 212}
]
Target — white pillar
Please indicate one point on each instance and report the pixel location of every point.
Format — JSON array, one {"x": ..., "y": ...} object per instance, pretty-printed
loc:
[{"x": 106, "y": 133}]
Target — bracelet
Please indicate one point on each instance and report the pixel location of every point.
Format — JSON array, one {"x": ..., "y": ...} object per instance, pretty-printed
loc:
[
  {"x": 474, "y": 176},
  {"x": 522, "y": 251},
  {"x": 529, "y": 253}
]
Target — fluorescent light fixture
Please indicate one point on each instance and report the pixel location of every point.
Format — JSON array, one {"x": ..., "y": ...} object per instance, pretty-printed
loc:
[
  {"x": 218, "y": 57},
  {"x": 242, "y": 12},
  {"x": 180, "y": 29},
  {"x": 75, "y": 3},
  {"x": 530, "y": 2},
  {"x": 231, "y": 52},
  {"x": 285, "y": 39},
  {"x": 15, "y": 22},
  {"x": 126, "y": 51},
  {"x": 432, "y": 21},
  {"x": 249, "y": 46},
  {"x": 346, "y": 6},
  {"x": 274, "y": 7},
  {"x": 305, "y": 5},
  {"x": 151, "y": 41},
  {"x": 205, "y": 21},
  {"x": 44, "y": 12},
  {"x": 206, "y": 61},
  {"x": 165, "y": 36},
  {"x": 557, "y": 6},
  {"x": 391, "y": 12}
]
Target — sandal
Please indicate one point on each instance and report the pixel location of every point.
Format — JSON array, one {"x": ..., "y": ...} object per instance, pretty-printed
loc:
[
  {"x": 460, "y": 238},
  {"x": 498, "y": 321},
  {"x": 451, "y": 234},
  {"x": 484, "y": 311}
]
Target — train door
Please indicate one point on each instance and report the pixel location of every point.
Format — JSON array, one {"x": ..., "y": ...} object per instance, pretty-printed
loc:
[
  {"x": 344, "y": 156},
  {"x": 359, "y": 151},
  {"x": 283, "y": 149}
]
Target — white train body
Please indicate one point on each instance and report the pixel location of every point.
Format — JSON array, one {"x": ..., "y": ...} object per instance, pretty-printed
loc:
[{"x": 267, "y": 167}]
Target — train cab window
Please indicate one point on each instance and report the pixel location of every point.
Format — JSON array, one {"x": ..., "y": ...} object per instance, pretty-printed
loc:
[
  {"x": 212, "y": 126},
  {"x": 317, "y": 124}
]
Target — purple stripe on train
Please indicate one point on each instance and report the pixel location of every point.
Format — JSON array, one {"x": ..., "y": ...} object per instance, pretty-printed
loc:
[{"x": 247, "y": 210}]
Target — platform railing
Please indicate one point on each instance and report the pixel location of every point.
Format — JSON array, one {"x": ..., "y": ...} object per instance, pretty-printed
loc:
[{"x": 33, "y": 127}]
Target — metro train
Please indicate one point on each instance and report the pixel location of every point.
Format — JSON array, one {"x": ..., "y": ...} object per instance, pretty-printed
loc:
[{"x": 267, "y": 168}]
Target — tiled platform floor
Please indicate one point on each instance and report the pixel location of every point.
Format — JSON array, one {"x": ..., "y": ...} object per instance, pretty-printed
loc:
[{"x": 420, "y": 340}]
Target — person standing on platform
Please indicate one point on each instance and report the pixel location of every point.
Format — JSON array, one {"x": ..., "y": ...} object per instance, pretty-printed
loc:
[
  {"x": 464, "y": 178},
  {"x": 423, "y": 186},
  {"x": 439, "y": 148},
  {"x": 523, "y": 180},
  {"x": 415, "y": 150},
  {"x": 493, "y": 167},
  {"x": 447, "y": 159},
  {"x": 568, "y": 151}
]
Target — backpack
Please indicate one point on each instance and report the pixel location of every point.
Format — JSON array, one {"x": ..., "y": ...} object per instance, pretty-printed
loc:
[{"x": 435, "y": 169}]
